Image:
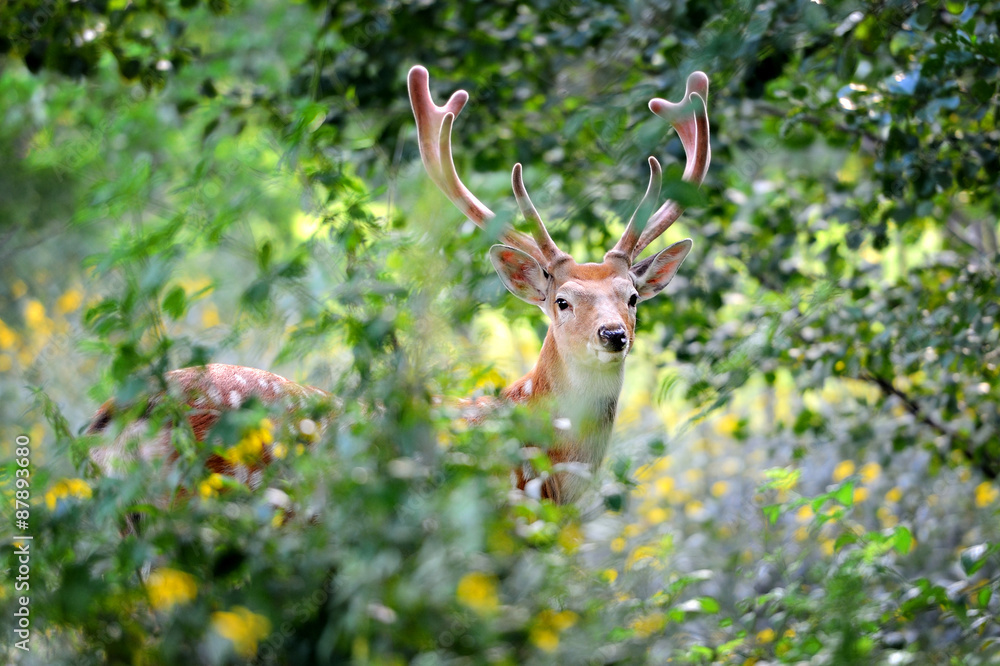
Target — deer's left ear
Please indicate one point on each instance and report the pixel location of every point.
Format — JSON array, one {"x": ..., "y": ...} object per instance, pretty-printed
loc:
[{"x": 653, "y": 274}]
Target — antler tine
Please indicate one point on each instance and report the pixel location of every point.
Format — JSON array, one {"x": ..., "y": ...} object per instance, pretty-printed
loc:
[
  {"x": 626, "y": 245},
  {"x": 434, "y": 125},
  {"x": 690, "y": 118},
  {"x": 542, "y": 239},
  {"x": 434, "y": 138}
]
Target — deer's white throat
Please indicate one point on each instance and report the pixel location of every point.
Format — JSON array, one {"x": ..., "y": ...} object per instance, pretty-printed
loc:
[{"x": 588, "y": 402}]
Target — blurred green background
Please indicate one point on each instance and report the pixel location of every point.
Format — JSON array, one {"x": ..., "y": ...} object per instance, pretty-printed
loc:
[{"x": 805, "y": 458}]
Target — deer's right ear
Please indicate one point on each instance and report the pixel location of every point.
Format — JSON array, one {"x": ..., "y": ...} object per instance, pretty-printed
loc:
[{"x": 520, "y": 273}]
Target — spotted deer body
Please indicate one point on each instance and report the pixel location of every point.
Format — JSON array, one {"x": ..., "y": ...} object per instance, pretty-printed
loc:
[
  {"x": 208, "y": 391},
  {"x": 591, "y": 306}
]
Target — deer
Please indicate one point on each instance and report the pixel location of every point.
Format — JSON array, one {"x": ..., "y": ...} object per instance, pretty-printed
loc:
[{"x": 591, "y": 308}]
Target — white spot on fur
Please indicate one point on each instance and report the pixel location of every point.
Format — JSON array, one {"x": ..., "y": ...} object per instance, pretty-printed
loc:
[
  {"x": 215, "y": 394},
  {"x": 533, "y": 488},
  {"x": 241, "y": 380},
  {"x": 527, "y": 387},
  {"x": 277, "y": 498},
  {"x": 235, "y": 399},
  {"x": 562, "y": 424}
]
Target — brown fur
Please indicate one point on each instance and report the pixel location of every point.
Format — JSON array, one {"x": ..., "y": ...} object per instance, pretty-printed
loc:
[{"x": 209, "y": 391}]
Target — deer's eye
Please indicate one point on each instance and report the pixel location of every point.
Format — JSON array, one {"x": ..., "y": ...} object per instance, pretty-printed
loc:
[
  {"x": 562, "y": 303},
  {"x": 633, "y": 299}
]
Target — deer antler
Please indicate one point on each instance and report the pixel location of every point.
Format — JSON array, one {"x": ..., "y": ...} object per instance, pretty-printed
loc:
[
  {"x": 434, "y": 125},
  {"x": 545, "y": 245},
  {"x": 690, "y": 118}
]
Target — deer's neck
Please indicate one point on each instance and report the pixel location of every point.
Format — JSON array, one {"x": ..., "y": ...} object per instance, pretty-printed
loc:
[{"x": 583, "y": 399}]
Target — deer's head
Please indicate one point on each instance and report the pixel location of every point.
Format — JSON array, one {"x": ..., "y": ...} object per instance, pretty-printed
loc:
[{"x": 591, "y": 306}]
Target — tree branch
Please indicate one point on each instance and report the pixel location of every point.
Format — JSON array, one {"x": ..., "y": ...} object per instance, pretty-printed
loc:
[{"x": 988, "y": 467}]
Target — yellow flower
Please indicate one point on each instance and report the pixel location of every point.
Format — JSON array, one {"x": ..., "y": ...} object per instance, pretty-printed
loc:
[
  {"x": 639, "y": 554},
  {"x": 211, "y": 486},
  {"x": 647, "y": 625},
  {"x": 804, "y": 513},
  {"x": 843, "y": 470},
  {"x": 34, "y": 314},
  {"x": 694, "y": 509},
  {"x": 547, "y": 627},
  {"x": 632, "y": 530},
  {"x": 610, "y": 575},
  {"x": 242, "y": 627},
  {"x": 168, "y": 587},
  {"x": 894, "y": 495},
  {"x": 69, "y": 301},
  {"x": 544, "y": 639},
  {"x": 727, "y": 424},
  {"x": 886, "y": 517},
  {"x": 870, "y": 471},
  {"x": 279, "y": 451},
  {"x": 654, "y": 469},
  {"x": 664, "y": 486},
  {"x": 656, "y": 515},
  {"x": 8, "y": 338},
  {"x": 860, "y": 495},
  {"x": 801, "y": 533},
  {"x": 694, "y": 475},
  {"x": 478, "y": 591},
  {"x": 210, "y": 316},
  {"x": 570, "y": 538},
  {"x": 560, "y": 621},
  {"x": 67, "y": 488},
  {"x": 765, "y": 636},
  {"x": 644, "y": 473},
  {"x": 719, "y": 488},
  {"x": 249, "y": 449},
  {"x": 617, "y": 545},
  {"x": 986, "y": 493},
  {"x": 492, "y": 379}
]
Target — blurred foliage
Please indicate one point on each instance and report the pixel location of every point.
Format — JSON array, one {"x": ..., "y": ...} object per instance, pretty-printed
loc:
[{"x": 808, "y": 444}]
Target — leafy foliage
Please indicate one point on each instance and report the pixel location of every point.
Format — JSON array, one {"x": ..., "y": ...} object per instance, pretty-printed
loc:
[{"x": 809, "y": 439}]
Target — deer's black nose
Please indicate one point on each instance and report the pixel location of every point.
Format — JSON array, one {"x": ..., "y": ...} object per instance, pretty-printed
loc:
[{"x": 613, "y": 339}]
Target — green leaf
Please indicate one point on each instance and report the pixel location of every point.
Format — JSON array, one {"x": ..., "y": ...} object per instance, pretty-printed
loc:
[
  {"x": 772, "y": 512},
  {"x": 175, "y": 303},
  {"x": 264, "y": 256},
  {"x": 845, "y": 494},
  {"x": 709, "y": 605},
  {"x": 902, "y": 540},
  {"x": 845, "y": 539},
  {"x": 974, "y": 557}
]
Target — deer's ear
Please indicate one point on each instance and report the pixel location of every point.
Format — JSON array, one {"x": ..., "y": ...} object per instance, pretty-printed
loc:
[
  {"x": 520, "y": 273},
  {"x": 653, "y": 274}
]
